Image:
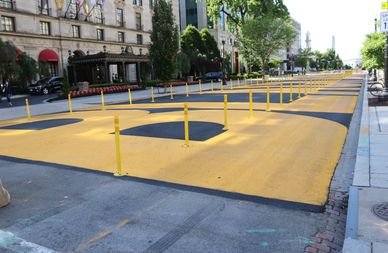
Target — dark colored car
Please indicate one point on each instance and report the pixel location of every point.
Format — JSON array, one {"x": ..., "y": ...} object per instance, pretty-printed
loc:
[
  {"x": 215, "y": 76},
  {"x": 46, "y": 85}
]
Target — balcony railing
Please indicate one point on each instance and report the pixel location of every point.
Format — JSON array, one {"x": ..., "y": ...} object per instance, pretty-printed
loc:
[{"x": 139, "y": 27}]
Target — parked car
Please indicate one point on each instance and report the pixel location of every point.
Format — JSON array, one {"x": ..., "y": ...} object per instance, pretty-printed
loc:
[
  {"x": 216, "y": 76},
  {"x": 46, "y": 85}
]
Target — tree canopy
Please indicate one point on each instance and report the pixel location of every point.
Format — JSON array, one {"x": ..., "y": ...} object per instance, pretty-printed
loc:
[
  {"x": 373, "y": 51},
  {"x": 164, "y": 41},
  {"x": 261, "y": 38},
  {"x": 238, "y": 11}
]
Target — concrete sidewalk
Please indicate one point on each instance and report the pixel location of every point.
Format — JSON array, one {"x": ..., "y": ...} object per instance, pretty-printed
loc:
[{"x": 366, "y": 232}]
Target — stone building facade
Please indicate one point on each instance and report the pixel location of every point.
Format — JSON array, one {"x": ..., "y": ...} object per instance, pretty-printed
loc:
[{"x": 52, "y": 30}]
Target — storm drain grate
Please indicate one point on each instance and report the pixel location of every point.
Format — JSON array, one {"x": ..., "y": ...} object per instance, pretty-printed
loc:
[{"x": 381, "y": 210}]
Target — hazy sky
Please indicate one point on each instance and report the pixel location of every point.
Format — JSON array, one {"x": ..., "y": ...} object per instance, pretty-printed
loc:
[{"x": 348, "y": 20}]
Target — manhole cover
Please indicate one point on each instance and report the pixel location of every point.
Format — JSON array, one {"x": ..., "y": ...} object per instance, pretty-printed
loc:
[{"x": 381, "y": 210}]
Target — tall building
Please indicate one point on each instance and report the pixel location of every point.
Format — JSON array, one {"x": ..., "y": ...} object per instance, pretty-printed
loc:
[
  {"x": 287, "y": 54},
  {"x": 193, "y": 12},
  {"x": 55, "y": 31},
  {"x": 308, "y": 40}
]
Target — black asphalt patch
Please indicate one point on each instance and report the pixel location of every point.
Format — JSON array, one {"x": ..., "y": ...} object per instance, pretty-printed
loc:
[
  {"x": 341, "y": 118},
  {"x": 219, "y": 98},
  {"x": 43, "y": 124},
  {"x": 198, "y": 130}
]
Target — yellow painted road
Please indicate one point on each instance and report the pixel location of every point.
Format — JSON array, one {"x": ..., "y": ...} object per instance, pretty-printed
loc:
[{"x": 287, "y": 154}]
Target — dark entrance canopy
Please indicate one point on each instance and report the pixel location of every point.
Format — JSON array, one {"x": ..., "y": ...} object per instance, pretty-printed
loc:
[{"x": 95, "y": 68}]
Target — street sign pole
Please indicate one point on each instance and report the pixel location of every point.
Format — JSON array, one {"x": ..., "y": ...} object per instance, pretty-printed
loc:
[{"x": 386, "y": 62}]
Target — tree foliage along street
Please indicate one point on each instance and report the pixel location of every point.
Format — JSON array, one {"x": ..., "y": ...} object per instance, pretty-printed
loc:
[
  {"x": 238, "y": 11},
  {"x": 373, "y": 51},
  {"x": 18, "y": 66},
  {"x": 261, "y": 38},
  {"x": 201, "y": 49},
  {"x": 164, "y": 46}
]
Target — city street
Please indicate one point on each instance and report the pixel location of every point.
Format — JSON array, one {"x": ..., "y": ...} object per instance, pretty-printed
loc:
[{"x": 238, "y": 190}]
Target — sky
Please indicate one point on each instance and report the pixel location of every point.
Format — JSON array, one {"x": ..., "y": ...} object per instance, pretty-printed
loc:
[{"x": 348, "y": 20}]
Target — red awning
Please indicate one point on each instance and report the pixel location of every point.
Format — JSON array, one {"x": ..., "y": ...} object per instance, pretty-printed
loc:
[{"x": 48, "y": 55}]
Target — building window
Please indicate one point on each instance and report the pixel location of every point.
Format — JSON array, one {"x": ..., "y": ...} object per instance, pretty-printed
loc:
[
  {"x": 8, "y": 23},
  {"x": 76, "y": 31},
  {"x": 191, "y": 13},
  {"x": 120, "y": 17},
  {"x": 100, "y": 34},
  {"x": 121, "y": 37},
  {"x": 43, "y": 7},
  {"x": 44, "y": 28},
  {"x": 138, "y": 2},
  {"x": 138, "y": 22},
  {"x": 71, "y": 10},
  {"x": 97, "y": 14},
  {"x": 6, "y": 4},
  {"x": 139, "y": 38}
]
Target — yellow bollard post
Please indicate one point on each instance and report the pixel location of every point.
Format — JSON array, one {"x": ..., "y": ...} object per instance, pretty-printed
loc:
[
  {"x": 231, "y": 81},
  {"x": 212, "y": 85},
  {"x": 171, "y": 93},
  {"x": 251, "y": 82},
  {"x": 281, "y": 94},
  {"x": 291, "y": 92},
  {"x": 28, "y": 110},
  {"x": 250, "y": 104},
  {"x": 186, "y": 118},
  {"x": 200, "y": 87},
  {"x": 311, "y": 86},
  {"x": 305, "y": 87},
  {"x": 69, "y": 101},
  {"x": 315, "y": 85},
  {"x": 118, "y": 172},
  {"x": 299, "y": 91},
  {"x": 319, "y": 84},
  {"x": 152, "y": 94},
  {"x": 257, "y": 81},
  {"x": 268, "y": 100},
  {"x": 130, "y": 96},
  {"x": 187, "y": 89},
  {"x": 102, "y": 101},
  {"x": 225, "y": 112},
  {"x": 238, "y": 84}
]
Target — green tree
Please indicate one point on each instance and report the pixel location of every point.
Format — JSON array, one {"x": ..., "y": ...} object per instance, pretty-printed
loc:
[
  {"x": 27, "y": 70},
  {"x": 183, "y": 64},
  {"x": 262, "y": 39},
  {"x": 192, "y": 45},
  {"x": 211, "y": 51},
  {"x": 238, "y": 11},
  {"x": 373, "y": 51},
  {"x": 164, "y": 45},
  {"x": 330, "y": 60},
  {"x": 304, "y": 58}
]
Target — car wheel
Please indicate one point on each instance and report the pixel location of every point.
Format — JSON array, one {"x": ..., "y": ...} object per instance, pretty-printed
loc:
[{"x": 45, "y": 91}]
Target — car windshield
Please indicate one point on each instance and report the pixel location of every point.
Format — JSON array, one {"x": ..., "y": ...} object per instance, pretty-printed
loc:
[{"x": 42, "y": 81}]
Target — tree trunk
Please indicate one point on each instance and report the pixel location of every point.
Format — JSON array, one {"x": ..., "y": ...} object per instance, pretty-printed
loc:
[{"x": 4, "y": 196}]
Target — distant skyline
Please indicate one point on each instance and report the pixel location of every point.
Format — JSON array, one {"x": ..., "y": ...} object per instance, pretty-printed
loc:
[{"x": 348, "y": 20}]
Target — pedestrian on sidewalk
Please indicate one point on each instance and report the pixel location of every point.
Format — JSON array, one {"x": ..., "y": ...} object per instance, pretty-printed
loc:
[{"x": 8, "y": 91}]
